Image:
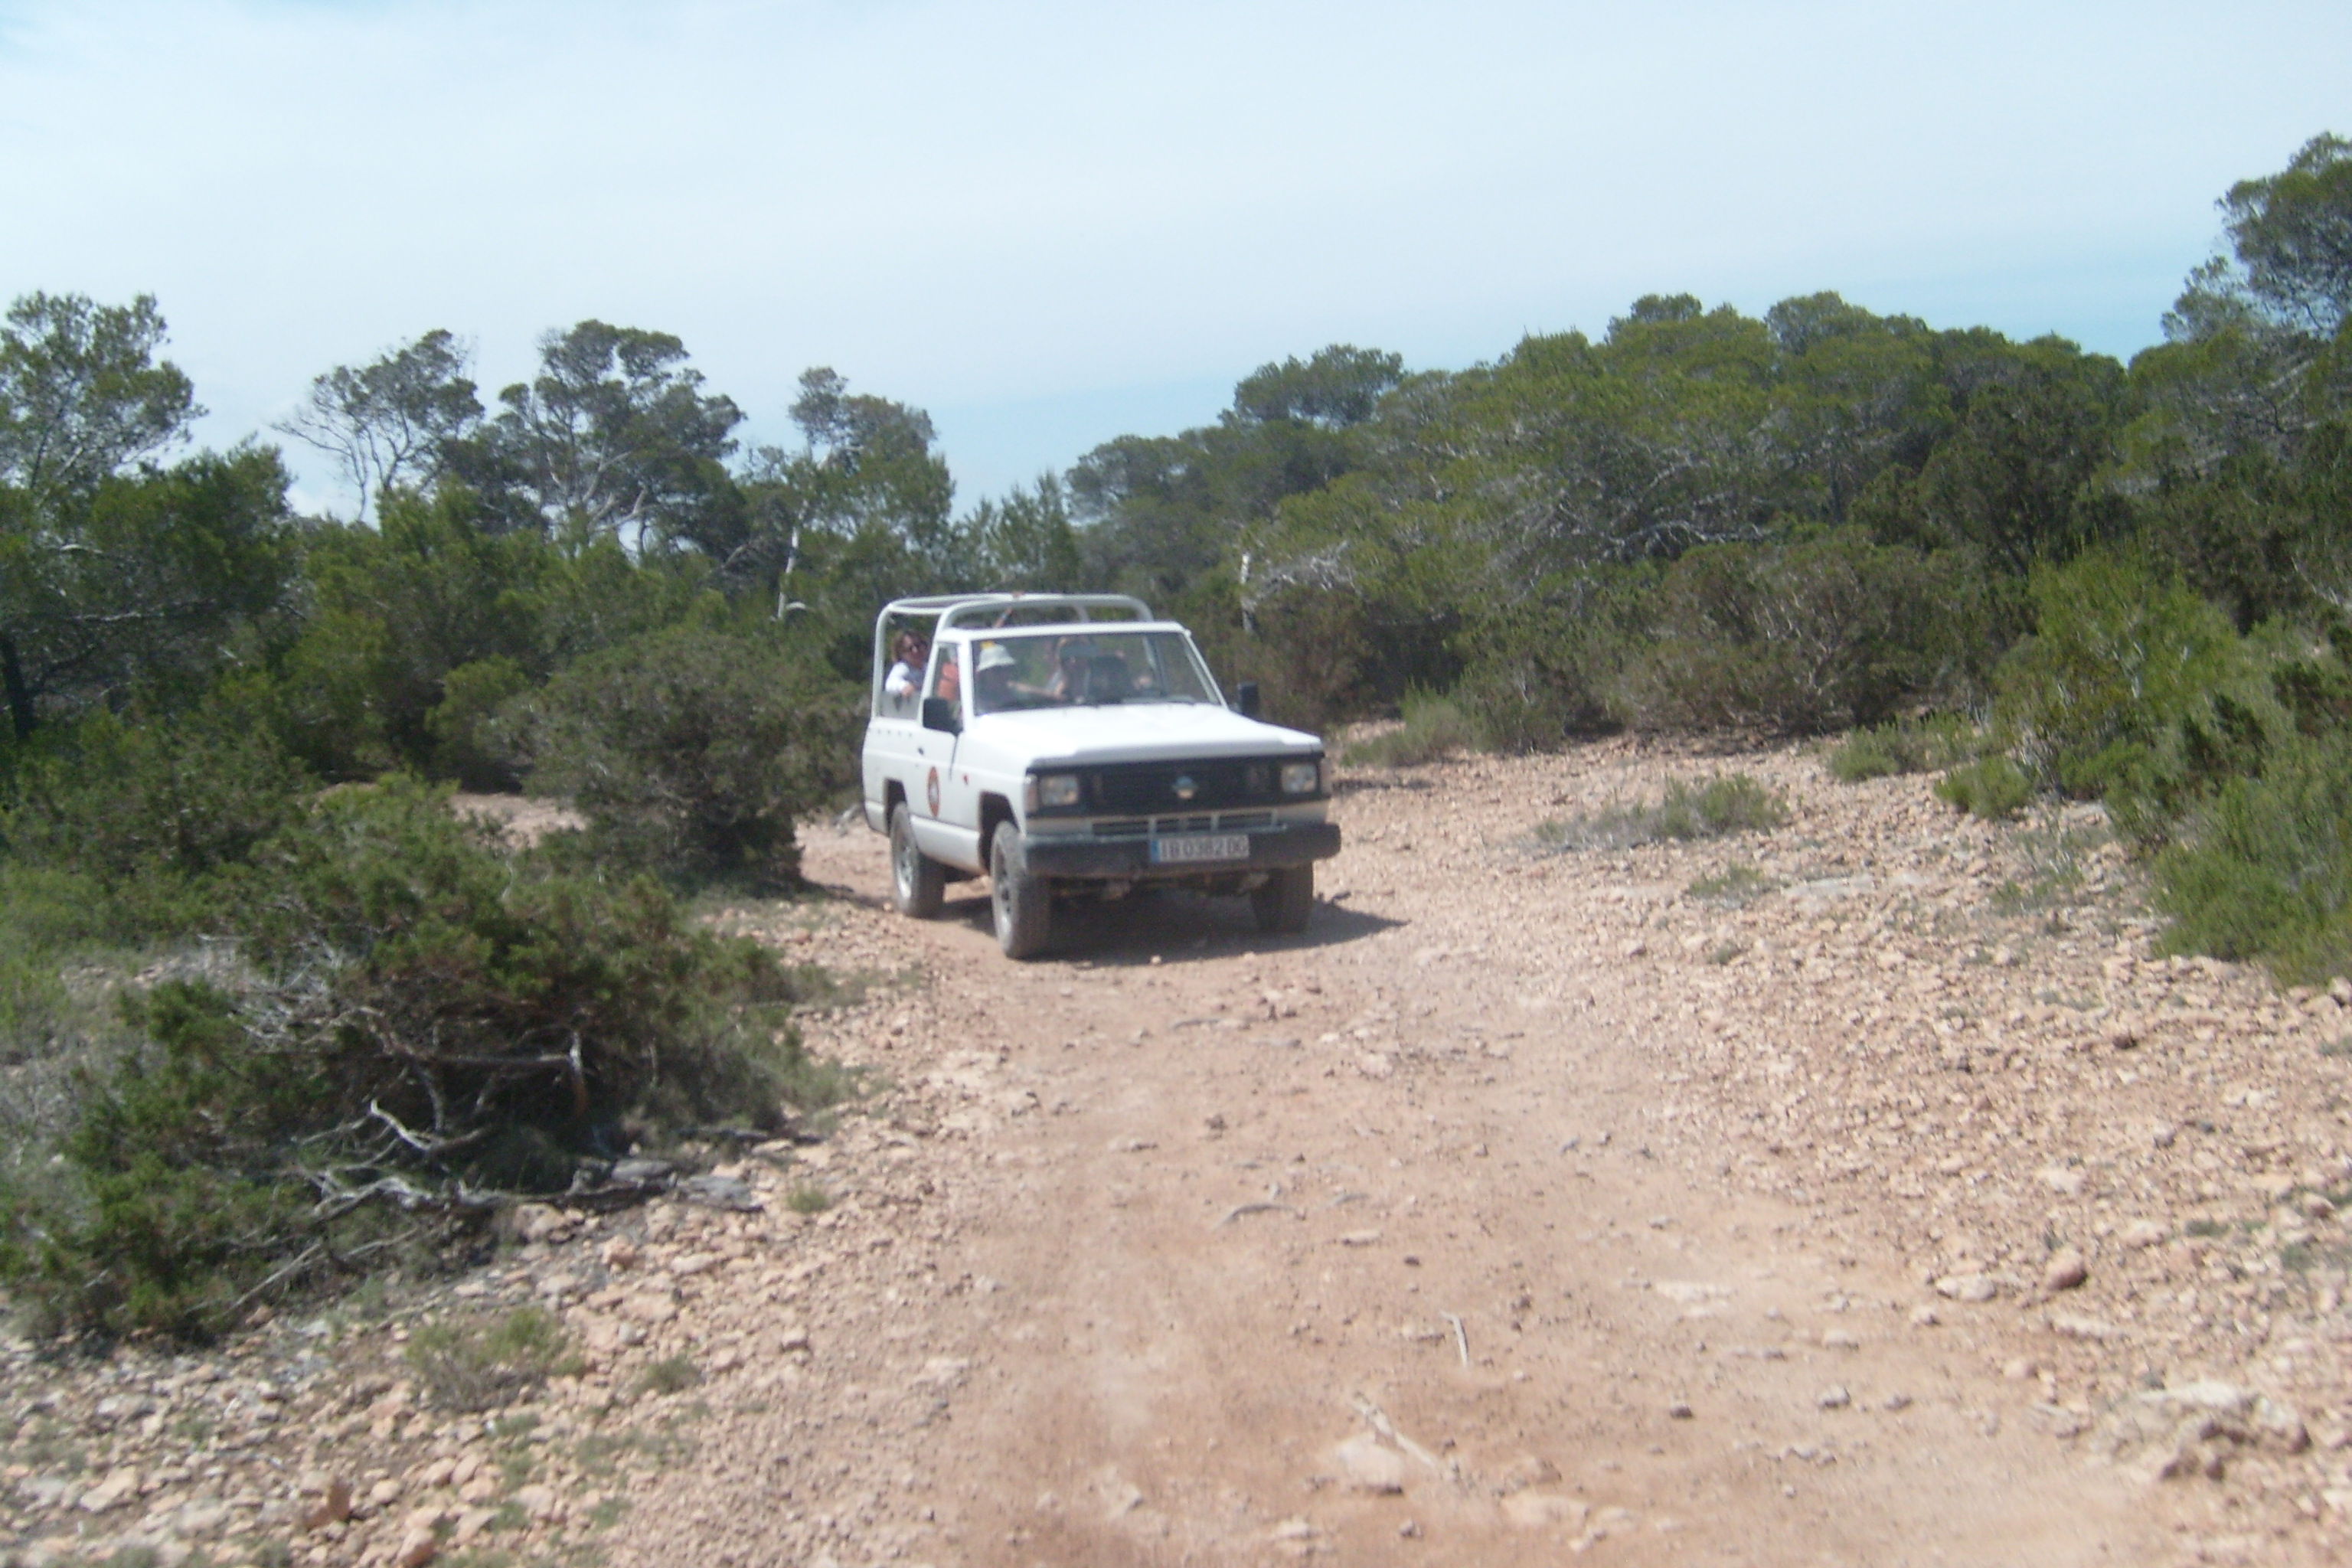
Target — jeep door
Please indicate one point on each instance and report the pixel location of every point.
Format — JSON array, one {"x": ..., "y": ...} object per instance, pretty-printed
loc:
[
  {"x": 894, "y": 730},
  {"x": 946, "y": 825}
]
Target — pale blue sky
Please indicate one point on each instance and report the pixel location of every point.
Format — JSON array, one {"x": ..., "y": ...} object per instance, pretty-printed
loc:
[{"x": 1051, "y": 223}]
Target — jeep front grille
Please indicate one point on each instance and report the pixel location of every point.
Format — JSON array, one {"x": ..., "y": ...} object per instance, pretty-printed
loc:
[
  {"x": 1204, "y": 822},
  {"x": 1209, "y": 785}
]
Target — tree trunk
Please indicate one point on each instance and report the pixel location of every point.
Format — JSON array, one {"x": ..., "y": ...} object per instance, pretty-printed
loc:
[{"x": 20, "y": 696}]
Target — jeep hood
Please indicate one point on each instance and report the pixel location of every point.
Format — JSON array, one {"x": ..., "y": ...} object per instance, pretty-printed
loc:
[{"x": 1136, "y": 732}]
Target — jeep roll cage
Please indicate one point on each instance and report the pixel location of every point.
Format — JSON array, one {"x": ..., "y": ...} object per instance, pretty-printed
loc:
[{"x": 963, "y": 612}]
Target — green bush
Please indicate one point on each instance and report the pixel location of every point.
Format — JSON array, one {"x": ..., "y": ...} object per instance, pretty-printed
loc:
[
  {"x": 478, "y": 989},
  {"x": 2266, "y": 869},
  {"x": 148, "y": 1215},
  {"x": 35, "y": 1008},
  {"x": 418, "y": 627},
  {"x": 2138, "y": 693},
  {"x": 1736, "y": 885},
  {"x": 395, "y": 610},
  {"x": 1309, "y": 654},
  {"x": 475, "y": 1364},
  {"x": 2316, "y": 690},
  {"x": 1904, "y": 746},
  {"x": 1729, "y": 803},
  {"x": 692, "y": 752},
  {"x": 464, "y": 745},
  {"x": 1541, "y": 671},
  {"x": 418, "y": 1017},
  {"x": 2282, "y": 683},
  {"x": 2119, "y": 656},
  {"x": 1868, "y": 755},
  {"x": 155, "y": 819},
  {"x": 1992, "y": 787},
  {"x": 1816, "y": 634},
  {"x": 148, "y": 1247},
  {"x": 2236, "y": 536},
  {"x": 671, "y": 1374},
  {"x": 1435, "y": 727},
  {"x": 1726, "y": 804},
  {"x": 60, "y": 964}
]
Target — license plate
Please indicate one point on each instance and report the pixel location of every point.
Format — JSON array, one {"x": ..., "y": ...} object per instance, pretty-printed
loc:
[{"x": 1201, "y": 847}]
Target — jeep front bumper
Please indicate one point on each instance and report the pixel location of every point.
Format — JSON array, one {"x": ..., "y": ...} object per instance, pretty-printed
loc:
[{"x": 1131, "y": 859}]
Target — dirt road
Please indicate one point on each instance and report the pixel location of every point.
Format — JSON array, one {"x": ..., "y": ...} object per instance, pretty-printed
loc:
[
  {"x": 1530, "y": 1204},
  {"x": 1863, "y": 1192}
]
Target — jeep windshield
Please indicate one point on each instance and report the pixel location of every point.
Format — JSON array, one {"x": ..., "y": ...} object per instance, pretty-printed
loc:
[{"x": 1089, "y": 668}]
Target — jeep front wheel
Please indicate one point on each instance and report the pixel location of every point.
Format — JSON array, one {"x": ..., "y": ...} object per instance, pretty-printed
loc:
[
  {"x": 918, "y": 882},
  {"x": 1285, "y": 901},
  {"x": 1023, "y": 904}
]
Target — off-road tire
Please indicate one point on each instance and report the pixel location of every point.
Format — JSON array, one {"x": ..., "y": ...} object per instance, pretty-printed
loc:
[
  {"x": 1023, "y": 904},
  {"x": 918, "y": 882},
  {"x": 1285, "y": 901}
]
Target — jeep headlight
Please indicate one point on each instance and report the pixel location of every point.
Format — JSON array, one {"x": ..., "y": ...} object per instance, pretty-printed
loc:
[
  {"x": 1053, "y": 791},
  {"x": 1302, "y": 778}
]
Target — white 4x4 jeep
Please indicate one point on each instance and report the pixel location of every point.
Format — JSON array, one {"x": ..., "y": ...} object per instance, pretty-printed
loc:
[{"x": 1070, "y": 746}]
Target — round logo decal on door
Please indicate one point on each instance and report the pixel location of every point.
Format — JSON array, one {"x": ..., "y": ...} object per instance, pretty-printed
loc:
[{"x": 931, "y": 791}]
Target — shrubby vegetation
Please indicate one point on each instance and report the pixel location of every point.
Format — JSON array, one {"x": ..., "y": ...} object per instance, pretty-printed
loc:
[
  {"x": 1724, "y": 805},
  {"x": 480, "y": 1362},
  {"x": 1734, "y": 887},
  {"x": 274, "y": 1015},
  {"x": 1827, "y": 631},
  {"x": 1431, "y": 727},
  {"x": 404, "y": 1019},
  {"x": 2030, "y": 569},
  {"x": 1928, "y": 743},
  {"x": 692, "y": 750},
  {"x": 1992, "y": 787},
  {"x": 2268, "y": 870},
  {"x": 267, "y": 1013}
]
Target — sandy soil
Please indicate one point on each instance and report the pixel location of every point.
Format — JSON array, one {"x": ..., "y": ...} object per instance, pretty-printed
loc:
[{"x": 1889, "y": 1204}]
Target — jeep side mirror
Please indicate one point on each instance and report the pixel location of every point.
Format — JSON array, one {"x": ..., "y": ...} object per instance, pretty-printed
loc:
[
  {"x": 940, "y": 713},
  {"x": 1246, "y": 698}
]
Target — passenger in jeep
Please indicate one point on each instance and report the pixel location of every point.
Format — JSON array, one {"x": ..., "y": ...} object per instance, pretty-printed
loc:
[
  {"x": 994, "y": 677},
  {"x": 1106, "y": 679},
  {"x": 1087, "y": 671},
  {"x": 1070, "y": 656},
  {"x": 906, "y": 677}
]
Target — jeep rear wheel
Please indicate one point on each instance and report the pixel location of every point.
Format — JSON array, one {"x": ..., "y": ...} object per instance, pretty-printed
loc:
[
  {"x": 1285, "y": 901},
  {"x": 918, "y": 882},
  {"x": 1023, "y": 904}
]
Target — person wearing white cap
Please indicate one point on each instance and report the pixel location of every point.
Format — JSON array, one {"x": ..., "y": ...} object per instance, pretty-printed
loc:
[{"x": 991, "y": 677}]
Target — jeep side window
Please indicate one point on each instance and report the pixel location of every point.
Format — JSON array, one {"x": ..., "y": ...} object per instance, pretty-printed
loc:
[{"x": 947, "y": 678}]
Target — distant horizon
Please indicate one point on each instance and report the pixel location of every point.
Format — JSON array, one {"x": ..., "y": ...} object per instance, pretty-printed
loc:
[{"x": 1048, "y": 226}]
